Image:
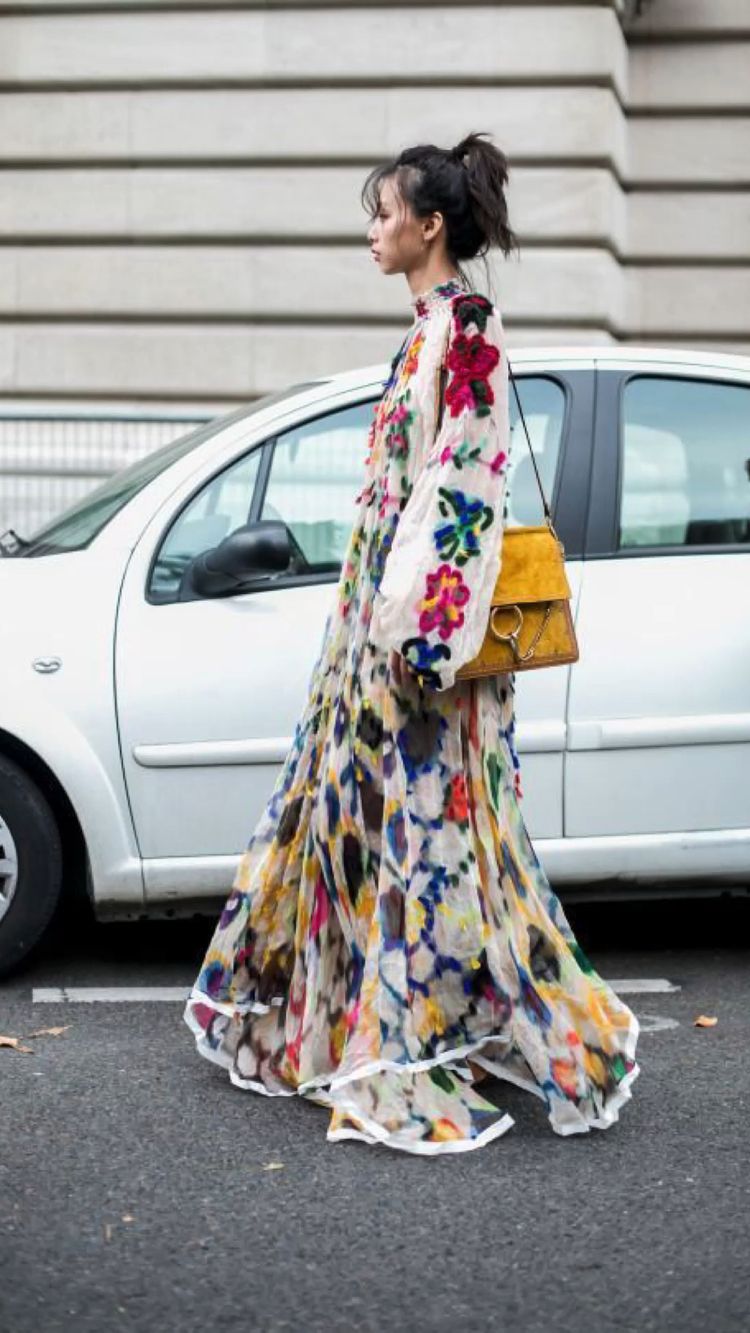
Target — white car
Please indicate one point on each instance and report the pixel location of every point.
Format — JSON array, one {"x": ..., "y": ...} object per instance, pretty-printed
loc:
[{"x": 150, "y": 684}]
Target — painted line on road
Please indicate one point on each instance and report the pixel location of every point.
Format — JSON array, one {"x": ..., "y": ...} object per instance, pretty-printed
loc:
[
  {"x": 643, "y": 986},
  {"x": 107, "y": 994},
  {"x": 656, "y": 1023},
  {"x": 173, "y": 994}
]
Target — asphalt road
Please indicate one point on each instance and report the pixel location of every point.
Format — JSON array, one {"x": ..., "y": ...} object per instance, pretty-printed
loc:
[{"x": 137, "y": 1192}]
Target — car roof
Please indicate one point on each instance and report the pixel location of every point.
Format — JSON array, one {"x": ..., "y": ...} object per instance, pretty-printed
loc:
[{"x": 618, "y": 356}]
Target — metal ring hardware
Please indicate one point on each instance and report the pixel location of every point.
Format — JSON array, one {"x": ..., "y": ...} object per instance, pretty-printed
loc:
[{"x": 511, "y": 638}]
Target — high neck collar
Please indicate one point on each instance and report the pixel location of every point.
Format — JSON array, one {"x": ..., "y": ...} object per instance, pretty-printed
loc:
[{"x": 425, "y": 302}]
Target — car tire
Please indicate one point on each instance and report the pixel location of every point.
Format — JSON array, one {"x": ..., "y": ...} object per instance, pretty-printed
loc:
[{"x": 31, "y": 861}]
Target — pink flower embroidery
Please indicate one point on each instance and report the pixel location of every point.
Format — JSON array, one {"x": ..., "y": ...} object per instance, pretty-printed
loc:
[
  {"x": 498, "y": 461},
  {"x": 460, "y": 395},
  {"x": 440, "y": 608}
]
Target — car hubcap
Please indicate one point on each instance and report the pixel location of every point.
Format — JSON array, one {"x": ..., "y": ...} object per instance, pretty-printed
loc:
[{"x": 8, "y": 867}]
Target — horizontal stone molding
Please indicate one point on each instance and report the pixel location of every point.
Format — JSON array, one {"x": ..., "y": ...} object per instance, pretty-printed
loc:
[
  {"x": 268, "y": 283},
  {"x": 180, "y": 215},
  {"x": 166, "y": 361},
  {"x": 690, "y": 75},
  {"x": 163, "y": 363},
  {"x": 690, "y": 151},
  {"x": 668, "y": 301},
  {"x": 506, "y": 41},
  {"x": 303, "y": 205},
  {"x": 678, "y": 224},
  {"x": 310, "y": 125},
  {"x": 700, "y": 342},
  {"x": 292, "y": 204},
  {"x": 691, "y": 18},
  {"x": 102, "y": 6}
]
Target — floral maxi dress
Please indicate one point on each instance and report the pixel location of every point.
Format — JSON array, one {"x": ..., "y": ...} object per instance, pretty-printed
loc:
[{"x": 389, "y": 917}]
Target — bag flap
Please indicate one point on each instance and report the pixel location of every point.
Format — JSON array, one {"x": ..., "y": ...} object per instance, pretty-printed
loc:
[{"x": 532, "y": 567}]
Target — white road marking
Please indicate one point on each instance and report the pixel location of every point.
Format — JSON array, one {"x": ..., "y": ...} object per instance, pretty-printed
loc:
[
  {"x": 643, "y": 986},
  {"x": 107, "y": 994},
  {"x": 173, "y": 994},
  {"x": 655, "y": 1023}
]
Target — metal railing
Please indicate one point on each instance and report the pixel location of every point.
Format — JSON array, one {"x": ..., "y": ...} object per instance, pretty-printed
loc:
[{"x": 50, "y": 458}]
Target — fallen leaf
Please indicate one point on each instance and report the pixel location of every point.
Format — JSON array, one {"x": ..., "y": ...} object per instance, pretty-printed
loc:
[
  {"x": 128, "y": 1217},
  {"x": 703, "y": 1022},
  {"x": 107, "y": 1230},
  {"x": 49, "y": 1032},
  {"x": 274, "y": 1166},
  {"x": 15, "y": 1042}
]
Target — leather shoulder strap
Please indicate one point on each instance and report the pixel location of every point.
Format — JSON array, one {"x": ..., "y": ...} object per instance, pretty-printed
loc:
[{"x": 442, "y": 379}]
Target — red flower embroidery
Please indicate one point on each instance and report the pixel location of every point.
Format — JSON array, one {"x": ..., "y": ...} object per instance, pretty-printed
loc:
[
  {"x": 472, "y": 360},
  {"x": 440, "y": 608},
  {"x": 472, "y": 356},
  {"x": 457, "y": 806}
]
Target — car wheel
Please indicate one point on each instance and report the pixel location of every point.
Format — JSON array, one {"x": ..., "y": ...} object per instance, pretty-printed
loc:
[{"x": 30, "y": 864}]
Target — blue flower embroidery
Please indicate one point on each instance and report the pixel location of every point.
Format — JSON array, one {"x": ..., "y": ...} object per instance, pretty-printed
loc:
[
  {"x": 458, "y": 539},
  {"x": 421, "y": 656}
]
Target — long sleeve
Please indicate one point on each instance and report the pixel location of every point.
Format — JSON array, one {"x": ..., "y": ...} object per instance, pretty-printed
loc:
[{"x": 433, "y": 600}]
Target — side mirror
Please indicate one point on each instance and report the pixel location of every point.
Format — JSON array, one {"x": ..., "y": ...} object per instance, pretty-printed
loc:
[{"x": 255, "y": 551}]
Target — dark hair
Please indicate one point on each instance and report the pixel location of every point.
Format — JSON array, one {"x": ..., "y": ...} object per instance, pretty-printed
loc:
[{"x": 466, "y": 184}]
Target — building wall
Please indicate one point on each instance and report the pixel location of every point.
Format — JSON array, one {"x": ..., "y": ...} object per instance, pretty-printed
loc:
[{"x": 179, "y": 185}]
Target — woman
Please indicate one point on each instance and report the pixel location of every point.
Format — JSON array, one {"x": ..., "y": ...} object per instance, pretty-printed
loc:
[{"x": 389, "y": 917}]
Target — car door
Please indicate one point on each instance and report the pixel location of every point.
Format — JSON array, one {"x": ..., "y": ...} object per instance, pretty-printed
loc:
[
  {"x": 209, "y": 689},
  {"x": 659, "y": 711},
  {"x": 558, "y": 410}
]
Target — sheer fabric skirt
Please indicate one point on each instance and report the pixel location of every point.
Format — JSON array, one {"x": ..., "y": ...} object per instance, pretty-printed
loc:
[{"x": 390, "y": 918}]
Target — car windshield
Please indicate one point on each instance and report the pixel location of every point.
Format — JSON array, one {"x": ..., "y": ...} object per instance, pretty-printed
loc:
[{"x": 77, "y": 526}]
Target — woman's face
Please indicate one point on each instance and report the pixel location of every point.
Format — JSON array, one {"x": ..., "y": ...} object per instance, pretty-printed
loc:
[{"x": 396, "y": 236}]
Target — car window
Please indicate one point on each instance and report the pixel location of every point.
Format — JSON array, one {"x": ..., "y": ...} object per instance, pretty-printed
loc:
[
  {"x": 316, "y": 472},
  {"x": 79, "y": 524},
  {"x": 218, "y": 509},
  {"x": 685, "y": 463},
  {"x": 543, "y": 402}
]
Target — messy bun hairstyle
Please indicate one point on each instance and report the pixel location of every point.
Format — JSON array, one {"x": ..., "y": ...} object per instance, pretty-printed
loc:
[{"x": 465, "y": 183}]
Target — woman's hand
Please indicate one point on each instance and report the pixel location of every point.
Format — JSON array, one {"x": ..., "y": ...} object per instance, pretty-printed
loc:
[{"x": 398, "y": 668}]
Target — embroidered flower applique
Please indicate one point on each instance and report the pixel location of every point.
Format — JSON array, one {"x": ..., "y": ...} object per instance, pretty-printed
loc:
[
  {"x": 445, "y": 595},
  {"x": 470, "y": 357},
  {"x": 422, "y": 657},
  {"x": 465, "y": 451},
  {"x": 472, "y": 360},
  {"x": 458, "y": 539},
  {"x": 397, "y": 423},
  {"x": 412, "y": 357}
]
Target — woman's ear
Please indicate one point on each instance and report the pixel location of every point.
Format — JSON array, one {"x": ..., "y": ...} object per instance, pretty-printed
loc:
[{"x": 432, "y": 226}]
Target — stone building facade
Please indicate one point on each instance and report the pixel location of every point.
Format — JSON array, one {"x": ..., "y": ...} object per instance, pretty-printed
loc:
[{"x": 180, "y": 217}]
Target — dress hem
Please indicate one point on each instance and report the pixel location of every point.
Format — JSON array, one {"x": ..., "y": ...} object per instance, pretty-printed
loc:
[{"x": 326, "y": 1084}]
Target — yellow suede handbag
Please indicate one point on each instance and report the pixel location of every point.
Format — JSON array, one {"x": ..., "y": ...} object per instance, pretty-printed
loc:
[{"x": 530, "y": 624}]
